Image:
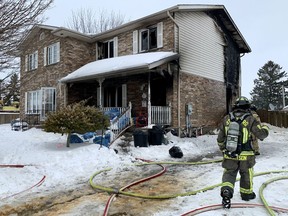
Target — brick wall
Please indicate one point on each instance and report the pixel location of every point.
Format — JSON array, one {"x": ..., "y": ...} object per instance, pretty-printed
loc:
[
  {"x": 208, "y": 100},
  {"x": 73, "y": 54}
]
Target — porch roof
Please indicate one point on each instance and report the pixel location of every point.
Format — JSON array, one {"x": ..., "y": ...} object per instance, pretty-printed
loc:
[{"x": 119, "y": 66}]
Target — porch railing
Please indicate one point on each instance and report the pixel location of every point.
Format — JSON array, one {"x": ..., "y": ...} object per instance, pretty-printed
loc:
[
  {"x": 119, "y": 123},
  {"x": 161, "y": 115}
]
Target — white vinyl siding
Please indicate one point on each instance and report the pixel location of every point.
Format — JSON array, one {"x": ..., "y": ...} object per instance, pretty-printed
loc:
[{"x": 201, "y": 45}]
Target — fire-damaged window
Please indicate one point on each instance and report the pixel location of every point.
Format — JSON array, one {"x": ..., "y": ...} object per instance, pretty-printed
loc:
[
  {"x": 148, "y": 38},
  {"x": 107, "y": 49},
  {"x": 112, "y": 96}
]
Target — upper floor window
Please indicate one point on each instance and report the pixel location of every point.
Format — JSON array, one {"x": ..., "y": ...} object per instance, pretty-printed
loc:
[
  {"x": 52, "y": 54},
  {"x": 31, "y": 61},
  {"x": 148, "y": 38},
  {"x": 107, "y": 49}
]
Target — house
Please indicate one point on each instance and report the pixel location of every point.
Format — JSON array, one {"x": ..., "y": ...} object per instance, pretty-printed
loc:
[{"x": 179, "y": 67}]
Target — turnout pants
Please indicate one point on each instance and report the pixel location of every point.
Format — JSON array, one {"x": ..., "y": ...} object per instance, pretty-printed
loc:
[{"x": 244, "y": 166}]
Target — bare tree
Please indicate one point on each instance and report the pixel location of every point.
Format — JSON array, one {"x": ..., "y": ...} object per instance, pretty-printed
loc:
[
  {"x": 88, "y": 21},
  {"x": 16, "y": 17}
]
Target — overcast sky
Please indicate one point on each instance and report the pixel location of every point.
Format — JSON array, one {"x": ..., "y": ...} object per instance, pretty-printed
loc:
[{"x": 263, "y": 23}]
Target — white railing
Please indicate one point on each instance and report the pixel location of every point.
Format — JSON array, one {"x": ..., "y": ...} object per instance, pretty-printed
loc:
[
  {"x": 119, "y": 123},
  {"x": 161, "y": 115}
]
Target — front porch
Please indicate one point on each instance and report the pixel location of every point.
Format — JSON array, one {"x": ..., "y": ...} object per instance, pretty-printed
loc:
[{"x": 121, "y": 118}]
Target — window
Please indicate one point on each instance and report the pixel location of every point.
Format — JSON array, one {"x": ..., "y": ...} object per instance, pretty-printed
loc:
[
  {"x": 31, "y": 61},
  {"x": 149, "y": 38},
  {"x": 114, "y": 96},
  {"x": 107, "y": 49},
  {"x": 52, "y": 54},
  {"x": 42, "y": 36},
  {"x": 41, "y": 102},
  {"x": 33, "y": 102}
]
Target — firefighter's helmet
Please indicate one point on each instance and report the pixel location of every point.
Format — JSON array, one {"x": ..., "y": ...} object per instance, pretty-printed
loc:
[{"x": 242, "y": 103}]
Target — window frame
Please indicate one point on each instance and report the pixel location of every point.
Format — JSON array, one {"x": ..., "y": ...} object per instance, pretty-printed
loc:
[
  {"x": 52, "y": 54},
  {"x": 31, "y": 61},
  {"x": 146, "y": 37},
  {"x": 153, "y": 38},
  {"x": 37, "y": 101},
  {"x": 107, "y": 49}
]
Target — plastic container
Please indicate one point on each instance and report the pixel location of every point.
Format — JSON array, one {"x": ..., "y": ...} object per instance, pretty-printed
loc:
[
  {"x": 156, "y": 136},
  {"x": 140, "y": 138}
]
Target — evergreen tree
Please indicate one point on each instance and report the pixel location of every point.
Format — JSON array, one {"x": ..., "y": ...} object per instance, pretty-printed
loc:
[
  {"x": 76, "y": 118},
  {"x": 12, "y": 90},
  {"x": 268, "y": 87}
]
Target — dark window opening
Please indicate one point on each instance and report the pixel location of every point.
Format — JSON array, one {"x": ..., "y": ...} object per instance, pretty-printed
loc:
[
  {"x": 153, "y": 38},
  {"x": 149, "y": 39}
]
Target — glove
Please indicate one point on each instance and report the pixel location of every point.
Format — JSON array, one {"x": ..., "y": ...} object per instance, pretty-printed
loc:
[{"x": 230, "y": 154}]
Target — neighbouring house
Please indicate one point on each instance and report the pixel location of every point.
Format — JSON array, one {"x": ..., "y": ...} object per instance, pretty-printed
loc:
[{"x": 180, "y": 67}]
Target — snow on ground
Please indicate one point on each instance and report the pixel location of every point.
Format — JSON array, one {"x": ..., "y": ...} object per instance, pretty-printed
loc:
[{"x": 46, "y": 154}]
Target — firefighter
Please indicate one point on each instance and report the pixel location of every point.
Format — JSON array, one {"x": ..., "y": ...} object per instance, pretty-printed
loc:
[
  {"x": 238, "y": 154},
  {"x": 255, "y": 143}
]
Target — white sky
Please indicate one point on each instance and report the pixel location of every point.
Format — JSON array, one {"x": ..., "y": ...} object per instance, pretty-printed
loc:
[
  {"x": 261, "y": 22},
  {"x": 65, "y": 169}
]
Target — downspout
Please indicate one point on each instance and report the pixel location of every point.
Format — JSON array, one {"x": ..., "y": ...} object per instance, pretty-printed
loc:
[
  {"x": 176, "y": 49},
  {"x": 240, "y": 74}
]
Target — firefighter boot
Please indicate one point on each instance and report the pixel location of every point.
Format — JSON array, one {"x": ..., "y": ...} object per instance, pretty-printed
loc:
[
  {"x": 226, "y": 198},
  {"x": 248, "y": 197}
]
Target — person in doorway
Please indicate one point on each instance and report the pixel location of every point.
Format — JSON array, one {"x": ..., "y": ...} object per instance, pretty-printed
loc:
[
  {"x": 255, "y": 143},
  {"x": 238, "y": 155}
]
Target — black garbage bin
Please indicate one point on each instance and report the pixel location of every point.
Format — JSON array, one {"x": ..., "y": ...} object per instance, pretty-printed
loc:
[
  {"x": 155, "y": 135},
  {"x": 140, "y": 138}
]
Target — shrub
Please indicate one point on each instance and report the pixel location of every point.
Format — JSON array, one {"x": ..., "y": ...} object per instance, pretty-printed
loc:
[{"x": 75, "y": 118}]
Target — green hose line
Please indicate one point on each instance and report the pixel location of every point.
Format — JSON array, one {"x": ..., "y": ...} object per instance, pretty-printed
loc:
[
  {"x": 261, "y": 192},
  {"x": 180, "y": 163},
  {"x": 168, "y": 196}
]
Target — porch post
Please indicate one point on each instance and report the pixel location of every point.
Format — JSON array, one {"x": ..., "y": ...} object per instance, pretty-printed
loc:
[
  {"x": 149, "y": 100},
  {"x": 64, "y": 86},
  {"x": 100, "y": 81}
]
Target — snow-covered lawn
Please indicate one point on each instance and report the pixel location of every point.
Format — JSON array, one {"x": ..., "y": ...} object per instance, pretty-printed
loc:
[{"x": 48, "y": 162}]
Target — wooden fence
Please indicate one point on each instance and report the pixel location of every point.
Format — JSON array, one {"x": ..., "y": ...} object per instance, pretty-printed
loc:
[
  {"x": 7, "y": 117},
  {"x": 276, "y": 118}
]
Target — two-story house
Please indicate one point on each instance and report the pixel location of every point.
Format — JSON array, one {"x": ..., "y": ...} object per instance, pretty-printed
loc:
[{"x": 179, "y": 67}]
